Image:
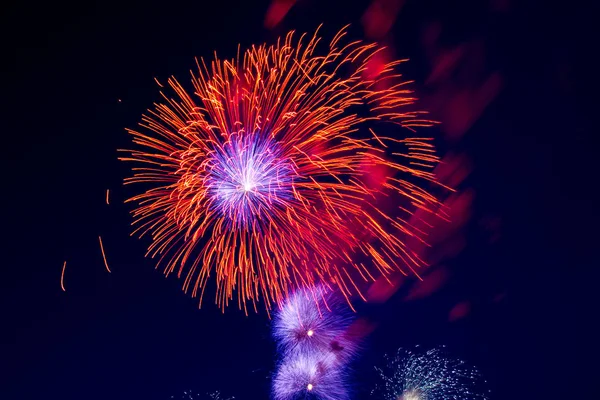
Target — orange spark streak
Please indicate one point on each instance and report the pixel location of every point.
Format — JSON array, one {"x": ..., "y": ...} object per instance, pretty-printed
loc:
[
  {"x": 107, "y": 194},
  {"x": 104, "y": 255},
  {"x": 62, "y": 277}
]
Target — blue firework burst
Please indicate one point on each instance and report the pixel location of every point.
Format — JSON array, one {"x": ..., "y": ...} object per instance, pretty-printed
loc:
[
  {"x": 314, "y": 376},
  {"x": 315, "y": 320}
]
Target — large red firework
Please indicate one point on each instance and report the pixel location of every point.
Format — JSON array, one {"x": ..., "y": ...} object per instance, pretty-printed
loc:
[{"x": 261, "y": 175}]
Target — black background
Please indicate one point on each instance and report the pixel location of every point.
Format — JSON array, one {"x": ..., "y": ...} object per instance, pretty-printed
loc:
[{"x": 75, "y": 75}]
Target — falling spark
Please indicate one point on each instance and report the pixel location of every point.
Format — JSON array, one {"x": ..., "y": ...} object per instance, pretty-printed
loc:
[
  {"x": 62, "y": 277},
  {"x": 103, "y": 255}
]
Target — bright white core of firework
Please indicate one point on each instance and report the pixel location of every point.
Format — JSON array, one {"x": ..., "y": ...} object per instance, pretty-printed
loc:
[{"x": 410, "y": 395}]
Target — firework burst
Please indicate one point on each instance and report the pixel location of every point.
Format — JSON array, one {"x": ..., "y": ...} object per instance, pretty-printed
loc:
[
  {"x": 429, "y": 375},
  {"x": 315, "y": 321},
  {"x": 312, "y": 333},
  {"x": 259, "y": 177},
  {"x": 309, "y": 376}
]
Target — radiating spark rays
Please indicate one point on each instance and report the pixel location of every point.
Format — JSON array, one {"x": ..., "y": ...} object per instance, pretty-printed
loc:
[
  {"x": 309, "y": 376},
  {"x": 310, "y": 321},
  {"x": 262, "y": 169}
]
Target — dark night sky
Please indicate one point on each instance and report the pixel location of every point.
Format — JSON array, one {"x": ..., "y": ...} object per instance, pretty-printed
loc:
[{"x": 133, "y": 335}]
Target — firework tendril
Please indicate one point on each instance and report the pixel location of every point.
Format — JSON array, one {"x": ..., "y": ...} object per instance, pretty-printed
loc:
[{"x": 259, "y": 177}]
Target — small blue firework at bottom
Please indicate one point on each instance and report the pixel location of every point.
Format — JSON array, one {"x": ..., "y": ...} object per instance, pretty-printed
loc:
[
  {"x": 191, "y": 395},
  {"x": 310, "y": 376},
  {"x": 428, "y": 375}
]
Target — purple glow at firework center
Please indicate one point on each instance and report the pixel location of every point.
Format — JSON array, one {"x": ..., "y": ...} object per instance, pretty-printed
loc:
[{"x": 247, "y": 177}]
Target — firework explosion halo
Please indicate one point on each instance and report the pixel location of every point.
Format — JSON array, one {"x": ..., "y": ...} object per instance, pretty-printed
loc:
[{"x": 259, "y": 175}]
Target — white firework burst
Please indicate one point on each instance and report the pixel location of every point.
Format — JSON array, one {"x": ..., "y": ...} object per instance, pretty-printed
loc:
[{"x": 428, "y": 375}]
